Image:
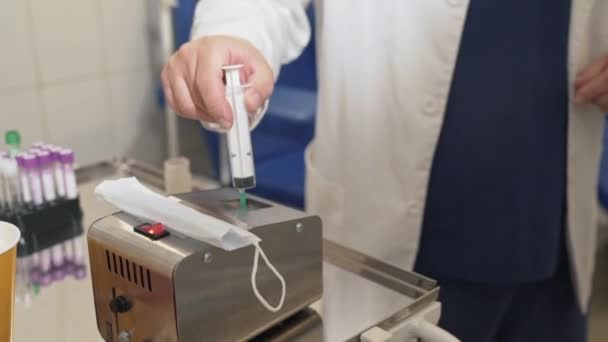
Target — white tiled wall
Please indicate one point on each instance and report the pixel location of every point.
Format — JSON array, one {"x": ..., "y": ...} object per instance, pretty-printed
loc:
[
  {"x": 17, "y": 62},
  {"x": 78, "y": 73},
  {"x": 22, "y": 109}
]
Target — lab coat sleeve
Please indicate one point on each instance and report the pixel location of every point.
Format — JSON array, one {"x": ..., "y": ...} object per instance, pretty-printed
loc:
[{"x": 278, "y": 28}]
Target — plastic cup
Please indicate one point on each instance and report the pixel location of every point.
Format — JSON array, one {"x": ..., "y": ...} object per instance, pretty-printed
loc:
[{"x": 9, "y": 237}]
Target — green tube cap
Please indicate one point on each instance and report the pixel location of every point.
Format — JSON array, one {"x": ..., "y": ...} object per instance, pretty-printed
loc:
[{"x": 13, "y": 138}]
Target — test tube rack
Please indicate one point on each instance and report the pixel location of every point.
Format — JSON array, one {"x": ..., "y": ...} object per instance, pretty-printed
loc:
[{"x": 46, "y": 225}]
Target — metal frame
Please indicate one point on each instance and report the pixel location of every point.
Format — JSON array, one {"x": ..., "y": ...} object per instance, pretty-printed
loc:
[{"x": 423, "y": 290}]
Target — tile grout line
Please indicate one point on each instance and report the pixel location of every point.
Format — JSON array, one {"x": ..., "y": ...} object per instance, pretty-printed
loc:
[
  {"x": 38, "y": 86},
  {"x": 74, "y": 79},
  {"x": 108, "y": 98}
]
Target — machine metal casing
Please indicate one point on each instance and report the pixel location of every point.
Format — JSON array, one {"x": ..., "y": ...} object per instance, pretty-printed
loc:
[{"x": 182, "y": 289}]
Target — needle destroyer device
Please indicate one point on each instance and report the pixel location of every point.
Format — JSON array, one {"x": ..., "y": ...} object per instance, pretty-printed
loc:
[{"x": 153, "y": 284}]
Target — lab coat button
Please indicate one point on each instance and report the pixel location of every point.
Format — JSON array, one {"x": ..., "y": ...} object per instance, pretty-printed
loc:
[
  {"x": 414, "y": 208},
  {"x": 430, "y": 107}
]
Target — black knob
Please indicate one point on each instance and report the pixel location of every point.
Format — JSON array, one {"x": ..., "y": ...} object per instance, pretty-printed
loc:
[{"x": 120, "y": 304}]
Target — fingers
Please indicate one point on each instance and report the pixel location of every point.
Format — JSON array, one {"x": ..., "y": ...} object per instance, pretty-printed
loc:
[
  {"x": 262, "y": 84},
  {"x": 590, "y": 72},
  {"x": 179, "y": 88},
  {"x": 193, "y": 78},
  {"x": 593, "y": 89},
  {"x": 211, "y": 92}
]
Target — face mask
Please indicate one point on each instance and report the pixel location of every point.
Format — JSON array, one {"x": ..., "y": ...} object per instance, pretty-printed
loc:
[{"x": 129, "y": 195}]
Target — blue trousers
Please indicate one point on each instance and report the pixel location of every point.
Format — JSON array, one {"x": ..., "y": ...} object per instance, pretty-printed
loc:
[{"x": 536, "y": 312}]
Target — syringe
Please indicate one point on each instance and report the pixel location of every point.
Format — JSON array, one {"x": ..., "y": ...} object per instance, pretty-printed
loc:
[{"x": 239, "y": 137}]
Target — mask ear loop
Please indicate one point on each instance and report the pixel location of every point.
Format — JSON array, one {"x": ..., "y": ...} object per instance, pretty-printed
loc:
[{"x": 254, "y": 271}]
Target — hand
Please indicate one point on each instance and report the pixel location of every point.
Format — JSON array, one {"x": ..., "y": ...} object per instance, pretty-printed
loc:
[
  {"x": 591, "y": 85},
  {"x": 193, "y": 78}
]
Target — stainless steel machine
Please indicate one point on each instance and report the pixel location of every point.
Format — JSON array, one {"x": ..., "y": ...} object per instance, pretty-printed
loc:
[{"x": 151, "y": 284}]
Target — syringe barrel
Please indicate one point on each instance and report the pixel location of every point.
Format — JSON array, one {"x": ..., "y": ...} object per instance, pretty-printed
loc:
[{"x": 239, "y": 136}]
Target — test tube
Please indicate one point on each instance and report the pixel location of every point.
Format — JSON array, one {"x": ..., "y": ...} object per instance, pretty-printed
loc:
[
  {"x": 23, "y": 287},
  {"x": 66, "y": 157},
  {"x": 46, "y": 277},
  {"x": 68, "y": 255},
  {"x": 60, "y": 182},
  {"x": 48, "y": 185},
  {"x": 80, "y": 271},
  {"x": 10, "y": 180},
  {"x": 78, "y": 267},
  {"x": 58, "y": 172},
  {"x": 46, "y": 175},
  {"x": 31, "y": 168},
  {"x": 22, "y": 280},
  {"x": 26, "y": 194},
  {"x": 3, "y": 204},
  {"x": 35, "y": 273},
  {"x": 58, "y": 260},
  {"x": 41, "y": 261}
]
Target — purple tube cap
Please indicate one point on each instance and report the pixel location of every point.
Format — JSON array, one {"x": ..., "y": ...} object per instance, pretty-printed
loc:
[
  {"x": 80, "y": 272},
  {"x": 66, "y": 156},
  {"x": 55, "y": 153},
  {"x": 30, "y": 161},
  {"x": 69, "y": 267},
  {"x": 35, "y": 275},
  {"x": 46, "y": 279},
  {"x": 58, "y": 274},
  {"x": 44, "y": 158},
  {"x": 19, "y": 159}
]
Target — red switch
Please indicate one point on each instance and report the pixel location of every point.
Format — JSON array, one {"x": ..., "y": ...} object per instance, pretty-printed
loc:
[{"x": 154, "y": 231}]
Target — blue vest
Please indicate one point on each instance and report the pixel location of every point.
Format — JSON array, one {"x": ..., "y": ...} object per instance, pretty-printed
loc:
[{"x": 495, "y": 210}]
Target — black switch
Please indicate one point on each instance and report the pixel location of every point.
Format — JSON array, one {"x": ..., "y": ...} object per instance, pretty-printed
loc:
[{"x": 120, "y": 304}]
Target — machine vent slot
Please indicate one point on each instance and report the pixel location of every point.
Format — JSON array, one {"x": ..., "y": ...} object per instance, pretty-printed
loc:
[
  {"x": 149, "y": 281},
  {"x": 135, "y": 273},
  {"x": 122, "y": 271},
  {"x": 128, "y": 267},
  {"x": 114, "y": 259},
  {"x": 141, "y": 276},
  {"x": 108, "y": 260},
  {"x": 129, "y": 270}
]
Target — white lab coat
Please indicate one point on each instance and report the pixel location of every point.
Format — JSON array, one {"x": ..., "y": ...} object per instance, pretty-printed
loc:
[{"x": 384, "y": 70}]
